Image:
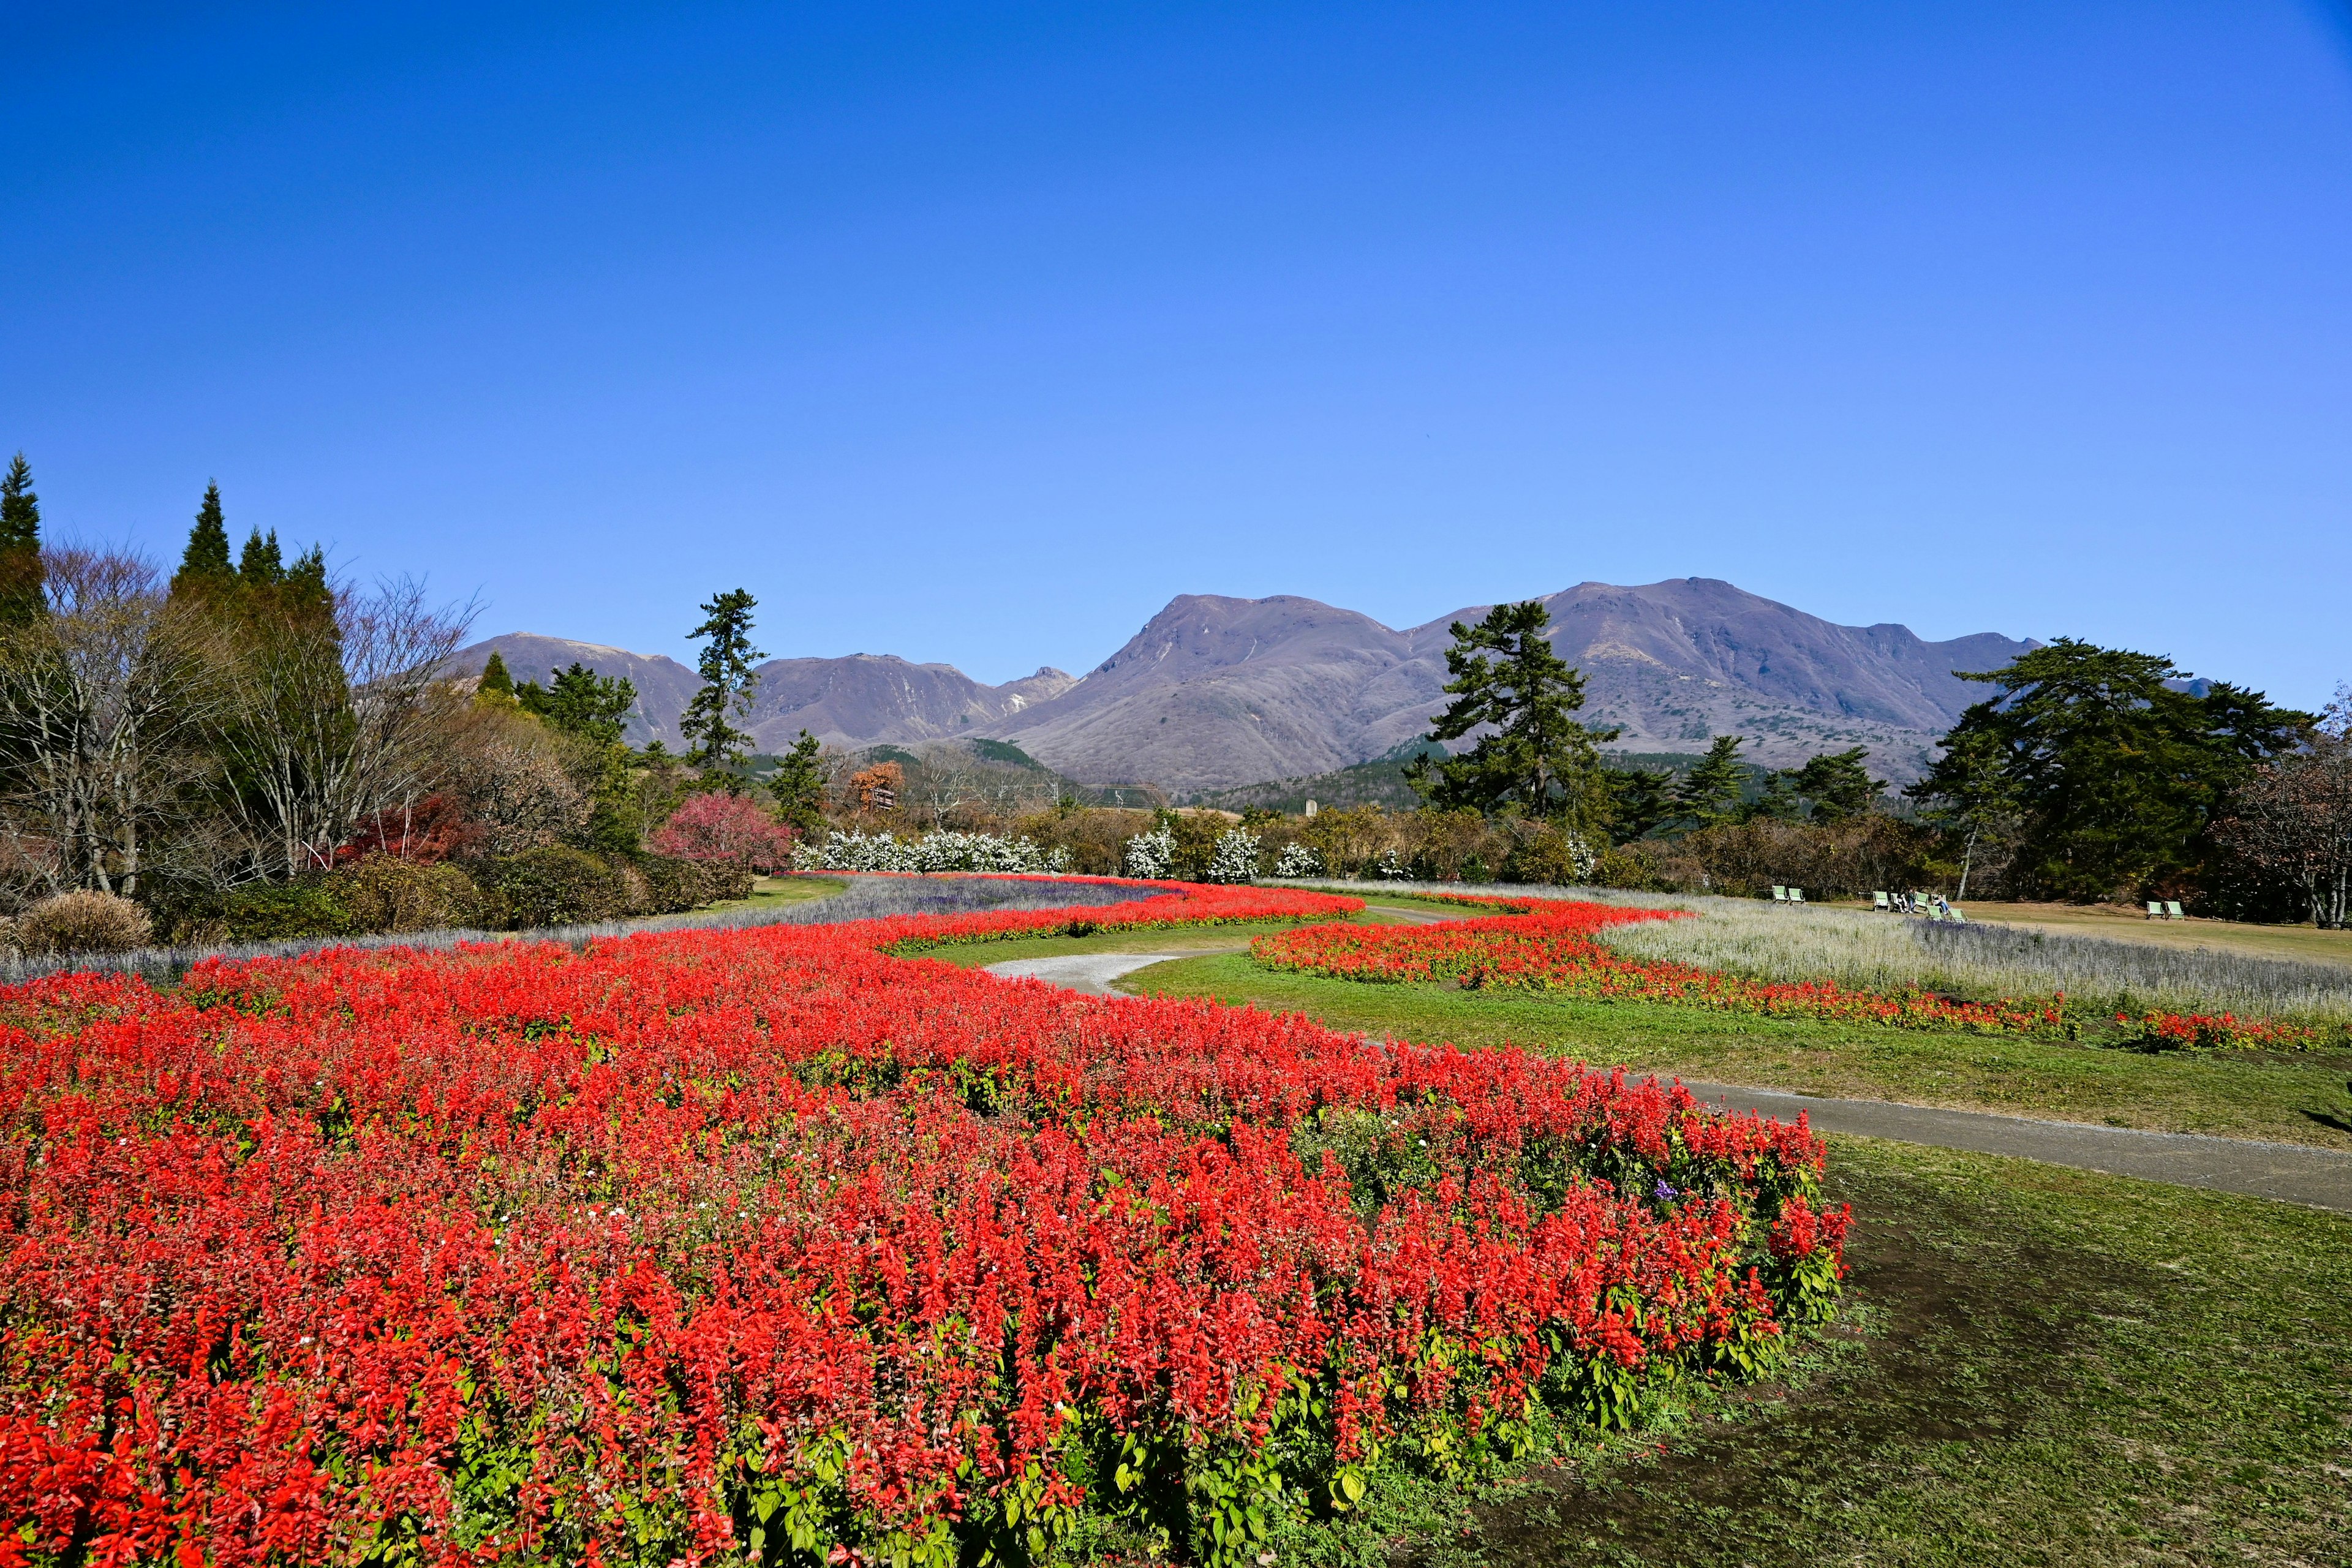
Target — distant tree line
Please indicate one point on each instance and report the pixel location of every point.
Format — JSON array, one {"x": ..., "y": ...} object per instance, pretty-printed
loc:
[
  {"x": 253, "y": 746},
  {"x": 2086, "y": 773}
]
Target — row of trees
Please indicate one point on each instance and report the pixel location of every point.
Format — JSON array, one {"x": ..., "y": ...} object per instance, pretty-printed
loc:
[
  {"x": 229, "y": 742},
  {"x": 2093, "y": 773},
  {"x": 2086, "y": 773},
  {"x": 1534, "y": 759},
  {"x": 239, "y": 719}
]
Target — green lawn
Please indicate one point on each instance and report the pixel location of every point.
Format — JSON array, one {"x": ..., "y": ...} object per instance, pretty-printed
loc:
[
  {"x": 2036, "y": 1365},
  {"x": 2298, "y": 1098},
  {"x": 774, "y": 891}
]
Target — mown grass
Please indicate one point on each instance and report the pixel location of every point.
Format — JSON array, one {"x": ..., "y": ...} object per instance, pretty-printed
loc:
[
  {"x": 774, "y": 892},
  {"x": 2298, "y": 1098},
  {"x": 2036, "y": 1365}
]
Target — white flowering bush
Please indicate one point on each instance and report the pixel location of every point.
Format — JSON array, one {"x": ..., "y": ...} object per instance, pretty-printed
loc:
[
  {"x": 1151, "y": 856},
  {"x": 1582, "y": 855},
  {"x": 1235, "y": 859},
  {"x": 1297, "y": 860},
  {"x": 941, "y": 851},
  {"x": 1390, "y": 864}
]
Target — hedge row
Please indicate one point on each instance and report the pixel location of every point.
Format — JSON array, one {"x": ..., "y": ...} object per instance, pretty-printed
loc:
[{"x": 550, "y": 886}]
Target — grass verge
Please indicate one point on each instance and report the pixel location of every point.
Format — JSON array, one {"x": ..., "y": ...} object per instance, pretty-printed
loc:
[
  {"x": 771, "y": 892},
  {"x": 2296, "y": 1098},
  {"x": 2035, "y": 1367}
]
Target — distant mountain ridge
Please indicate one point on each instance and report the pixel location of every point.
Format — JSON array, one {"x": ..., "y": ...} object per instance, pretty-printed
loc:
[
  {"x": 1217, "y": 692},
  {"x": 852, "y": 700}
]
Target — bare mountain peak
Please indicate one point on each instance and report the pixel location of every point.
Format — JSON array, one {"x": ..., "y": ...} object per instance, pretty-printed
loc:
[{"x": 1215, "y": 690}]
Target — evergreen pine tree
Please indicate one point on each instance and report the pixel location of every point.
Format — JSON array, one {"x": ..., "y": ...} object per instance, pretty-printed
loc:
[
  {"x": 2117, "y": 768},
  {"x": 261, "y": 567},
  {"x": 727, "y": 681},
  {"x": 1710, "y": 792},
  {"x": 1837, "y": 785},
  {"x": 20, "y": 544},
  {"x": 495, "y": 678},
  {"x": 798, "y": 785},
  {"x": 580, "y": 702},
  {"x": 1782, "y": 801},
  {"x": 1639, "y": 800},
  {"x": 206, "y": 568},
  {"x": 1970, "y": 791},
  {"x": 1536, "y": 758}
]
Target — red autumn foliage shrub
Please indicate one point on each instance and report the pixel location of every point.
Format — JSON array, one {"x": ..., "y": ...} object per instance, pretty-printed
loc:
[
  {"x": 430, "y": 831},
  {"x": 727, "y": 828},
  {"x": 766, "y": 1245}
]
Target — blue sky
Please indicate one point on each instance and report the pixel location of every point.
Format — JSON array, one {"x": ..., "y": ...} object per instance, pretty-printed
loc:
[{"x": 974, "y": 333}]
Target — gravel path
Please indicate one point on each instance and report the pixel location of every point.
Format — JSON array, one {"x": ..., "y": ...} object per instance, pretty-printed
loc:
[
  {"x": 1091, "y": 973},
  {"x": 2288, "y": 1172}
]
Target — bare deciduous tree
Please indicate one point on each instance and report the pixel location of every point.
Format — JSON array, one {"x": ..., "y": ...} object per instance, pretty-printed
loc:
[
  {"x": 330, "y": 717},
  {"x": 2293, "y": 821},
  {"x": 104, "y": 699}
]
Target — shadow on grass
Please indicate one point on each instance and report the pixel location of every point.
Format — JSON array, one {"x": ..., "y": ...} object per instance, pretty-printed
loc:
[{"x": 1932, "y": 1352}]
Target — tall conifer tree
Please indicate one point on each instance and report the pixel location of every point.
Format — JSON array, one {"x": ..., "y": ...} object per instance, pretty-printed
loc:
[
  {"x": 261, "y": 565},
  {"x": 20, "y": 544},
  {"x": 1710, "y": 793},
  {"x": 205, "y": 566},
  {"x": 1535, "y": 757},
  {"x": 727, "y": 681}
]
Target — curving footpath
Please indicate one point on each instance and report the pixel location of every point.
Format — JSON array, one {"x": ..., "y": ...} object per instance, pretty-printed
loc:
[{"x": 2289, "y": 1172}]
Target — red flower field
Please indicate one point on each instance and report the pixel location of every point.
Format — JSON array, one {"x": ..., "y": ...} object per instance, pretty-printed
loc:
[
  {"x": 1552, "y": 948},
  {"x": 1549, "y": 944},
  {"x": 769, "y": 1245}
]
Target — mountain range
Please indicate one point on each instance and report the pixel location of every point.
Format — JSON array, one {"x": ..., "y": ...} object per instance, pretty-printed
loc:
[{"x": 1216, "y": 692}]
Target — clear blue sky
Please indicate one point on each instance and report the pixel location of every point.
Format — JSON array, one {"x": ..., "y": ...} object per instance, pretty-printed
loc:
[{"x": 974, "y": 333}]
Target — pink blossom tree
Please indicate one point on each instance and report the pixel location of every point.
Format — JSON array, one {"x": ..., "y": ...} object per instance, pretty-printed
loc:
[{"x": 729, "y": 827}]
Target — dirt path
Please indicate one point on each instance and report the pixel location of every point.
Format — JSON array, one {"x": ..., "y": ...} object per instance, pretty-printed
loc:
[{"x": 2289, "y": 1172}]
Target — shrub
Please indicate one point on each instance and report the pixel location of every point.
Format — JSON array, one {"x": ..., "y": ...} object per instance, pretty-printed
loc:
[
  {"x": 276, "y": 911},
  {"x": 552, "y": 886},
  {"x": 672, "y": 886},
  {"x": 722, "y": 882},
  {"x": 1633, "y": 867},
  {"x": 1235, "y": 859},
  {"x": 1553, "y": 854},
  {"x": 1828, "y": 859},
  {"x": 382, "y": 893},
  {"x": 83, "y": 922},
  {"x": 725, "y": 827},
  {"x": 1151, "y": 856},
  {"x": 1093, "y": 840},
  {"x": 636, "y": 887},
  {"x": 944, "y": 851},
  {"x": 10, "y": 947}
]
